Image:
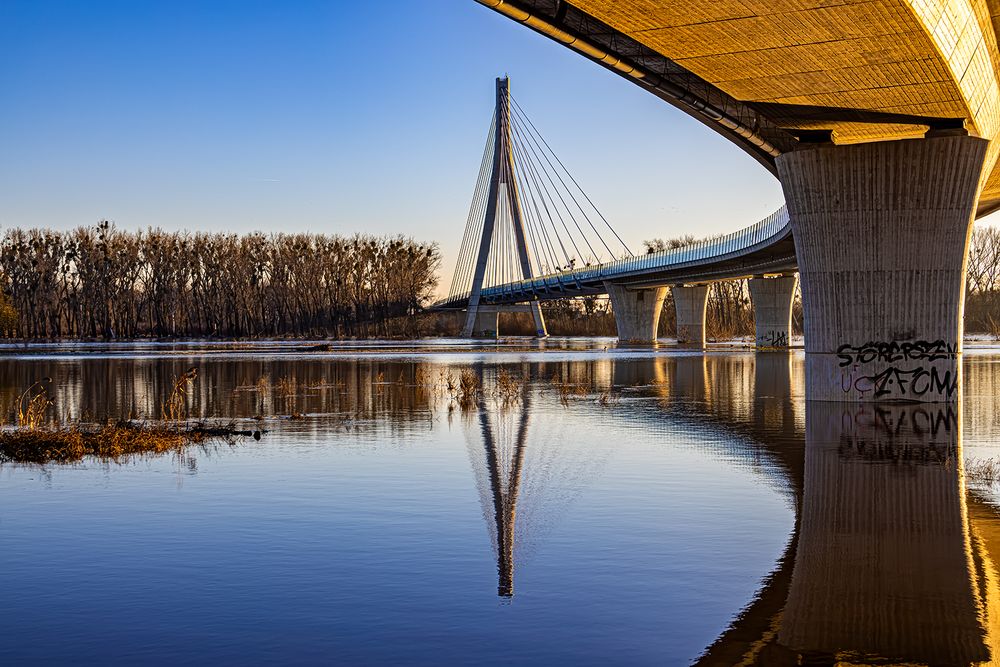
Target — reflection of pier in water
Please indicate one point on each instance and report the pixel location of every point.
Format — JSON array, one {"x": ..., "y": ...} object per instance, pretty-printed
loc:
[
  {"x": 505, "y": 465},
  {"x": 891, "y": 559}
]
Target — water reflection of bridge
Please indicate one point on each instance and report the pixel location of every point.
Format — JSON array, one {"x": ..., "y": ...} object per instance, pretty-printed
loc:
[
  {"x": 891, "y": 559},
  {"x": 525, "y": 484}
]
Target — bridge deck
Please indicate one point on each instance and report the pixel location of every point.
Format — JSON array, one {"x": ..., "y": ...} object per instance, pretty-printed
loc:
[{"x": 765, "y": 247}]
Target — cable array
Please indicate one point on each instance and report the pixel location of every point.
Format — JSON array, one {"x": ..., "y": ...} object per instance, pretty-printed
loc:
[
  {"x": 465, "y": 266},
  {"x": 543, "y": 221}
]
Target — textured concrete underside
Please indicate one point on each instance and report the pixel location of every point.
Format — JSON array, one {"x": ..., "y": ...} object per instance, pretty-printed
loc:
[
  {"x": 932, "y": 58},
  {"x": 881, "y": 231}
]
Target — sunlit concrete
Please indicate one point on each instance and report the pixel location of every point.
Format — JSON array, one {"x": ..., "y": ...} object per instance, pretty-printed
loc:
[
  {"x": 797, "y": 64},
  {"x": 881, "y": 231},
  {"x": 637, "y": 312},
  {"x": 772, "y": 310},
  {"x": 884, "y": 566},
  {"x": 690, "y": 303}
]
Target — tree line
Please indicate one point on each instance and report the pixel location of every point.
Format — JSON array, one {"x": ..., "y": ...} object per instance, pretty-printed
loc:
[
  {"x": 982, "y": 297},
  {"x": 103, "y": 282}
]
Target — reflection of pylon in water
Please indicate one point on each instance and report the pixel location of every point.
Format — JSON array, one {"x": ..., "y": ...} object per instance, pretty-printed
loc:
[
  {"x": 505, "y": 482},
  {"x": 526, "y": 481}
]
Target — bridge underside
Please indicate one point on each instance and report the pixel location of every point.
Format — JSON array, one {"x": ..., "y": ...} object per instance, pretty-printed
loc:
[
  {"x": 879, "y": 118},
  {"x": 766, "y": 74}
]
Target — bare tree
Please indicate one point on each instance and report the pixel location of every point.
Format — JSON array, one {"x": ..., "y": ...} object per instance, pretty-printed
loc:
[{"x": 104, "y": 282}]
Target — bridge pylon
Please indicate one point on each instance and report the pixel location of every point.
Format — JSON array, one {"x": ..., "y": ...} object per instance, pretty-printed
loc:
[{"x": 502, "y": 202}]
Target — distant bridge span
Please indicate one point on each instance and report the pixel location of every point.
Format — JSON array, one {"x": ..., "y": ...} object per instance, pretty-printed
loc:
[{"x": 765, "y": 247}]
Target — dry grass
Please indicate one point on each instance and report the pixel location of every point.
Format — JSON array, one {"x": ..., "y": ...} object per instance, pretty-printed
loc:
[
  {"x": 608, "y": 397},
  {"x": 174, "y": 408},
  {"x": 286, "y": 387},
  {"x": 465, "y": 390},
  {"x": 109, "y": 442},
  {"x": 984, "y": 471},
  {"x": 32, "y": 404},
  {"x": 509, "y": 386},
  {"x": 569, "y": 389},
  {"x": 469, "y": 387}
]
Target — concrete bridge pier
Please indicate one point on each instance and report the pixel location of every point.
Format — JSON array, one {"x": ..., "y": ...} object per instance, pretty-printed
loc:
[
  {"x": 689, "y": 304},
  {"x": 637, "y": 312},
  {"x": 772, "y": 310},
  {"x": 881, "y": 231},
  {"x": 487, "y": 323}
]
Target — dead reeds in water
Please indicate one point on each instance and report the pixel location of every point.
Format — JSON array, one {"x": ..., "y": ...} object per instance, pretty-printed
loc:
[
  {"x": 466, "y": 390},
  {"x": 31, "y": 441},
  {"x": 110, "y": 441},
  {"x": 32, "y": 403},
  {"x": 983, "y": 471},
  {"x": 173, "y": 408},
  {"x": 509, "y": 386}
]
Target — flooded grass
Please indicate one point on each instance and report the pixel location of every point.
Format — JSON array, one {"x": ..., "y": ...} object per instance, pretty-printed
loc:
[
  {"x": 509, "y": 386},
  {"x": 109, "y": 442},
  {"x": 983, "y": 471},
  {"x": 32, "y": 440}
]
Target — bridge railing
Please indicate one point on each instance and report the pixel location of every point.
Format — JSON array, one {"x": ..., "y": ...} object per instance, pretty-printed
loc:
[{"x": 712, "y": 248}]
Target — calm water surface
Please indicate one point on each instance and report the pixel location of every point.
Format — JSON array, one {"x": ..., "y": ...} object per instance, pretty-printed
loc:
[{"x": 594, "y": 505}]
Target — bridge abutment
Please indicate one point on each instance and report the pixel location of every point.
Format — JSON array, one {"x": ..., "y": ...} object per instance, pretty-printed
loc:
[
  {"x": 881, "y": 231},
  {"x": 772, "y": 310},
  {"x": 637, "y": 312},
  {"x": 689, "y": 304}
]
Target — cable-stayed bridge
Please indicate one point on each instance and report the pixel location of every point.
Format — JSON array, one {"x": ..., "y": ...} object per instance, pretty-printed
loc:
[
  {"x": 533, "y": 234},
  {"x": 881, "y": 121}
]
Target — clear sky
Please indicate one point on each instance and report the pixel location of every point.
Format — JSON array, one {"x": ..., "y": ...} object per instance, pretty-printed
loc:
[{"x": 334, "y": 117}]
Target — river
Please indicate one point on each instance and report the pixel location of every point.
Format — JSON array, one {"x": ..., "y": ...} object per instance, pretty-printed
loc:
[{"x": 577, "y": 503}]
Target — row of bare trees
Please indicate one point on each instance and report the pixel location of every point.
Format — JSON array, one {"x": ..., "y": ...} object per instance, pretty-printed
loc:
[
  {"x": 729, "y": 312},
  {"x": 982, "y": 302},
  {"x": 103, "y": 282}
]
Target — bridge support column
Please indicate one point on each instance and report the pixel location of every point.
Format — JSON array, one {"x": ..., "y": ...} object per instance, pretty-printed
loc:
[
  {"x": 689, "y": 304},
  {"x": 772, "y": 310},
  {"x": 541, "y": 330},
  {"x": 637, "y": 312},
  {"x": 881, "y": 231},
  {"x": 487, "y": 324}
]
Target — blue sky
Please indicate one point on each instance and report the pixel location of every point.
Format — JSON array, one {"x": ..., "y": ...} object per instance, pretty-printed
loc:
[{"x": 328, "y": 117}]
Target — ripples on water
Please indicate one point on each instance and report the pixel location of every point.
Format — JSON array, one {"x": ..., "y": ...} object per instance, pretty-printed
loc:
[{"x": 622, "y": 506}]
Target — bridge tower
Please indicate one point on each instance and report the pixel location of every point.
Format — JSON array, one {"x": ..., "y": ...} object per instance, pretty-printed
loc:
[
  {"x": 502, "y": 199},
  {"x": 502, "y": 194}
]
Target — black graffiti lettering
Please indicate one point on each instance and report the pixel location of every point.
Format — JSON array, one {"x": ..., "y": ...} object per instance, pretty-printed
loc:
[
  {"x": 908, "y": 383},
  {"x": 773, "y": 339},
  {"x": 893, "y": 351}
]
